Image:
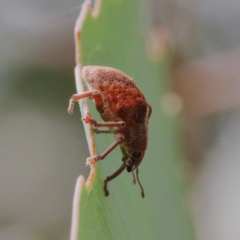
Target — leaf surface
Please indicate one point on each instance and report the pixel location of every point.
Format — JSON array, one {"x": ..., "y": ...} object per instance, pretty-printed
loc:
[{"x": 118, "y": 38}]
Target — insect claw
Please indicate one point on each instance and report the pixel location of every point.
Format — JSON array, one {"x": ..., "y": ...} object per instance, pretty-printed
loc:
[
  {"x": 96, "y": 130},
  {"x": 90, "y": 161},
  {"x": 89, "y": 120},
  {"x": 71, "y": 106},
  {"x": 93, "y": 160},
  {"x": 106, "y": 192}
]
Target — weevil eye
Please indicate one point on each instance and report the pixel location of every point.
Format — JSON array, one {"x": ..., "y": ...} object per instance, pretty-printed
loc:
[{"x": 137, "y": 154}]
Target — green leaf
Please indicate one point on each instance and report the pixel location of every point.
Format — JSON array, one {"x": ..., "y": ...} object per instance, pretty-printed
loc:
[{"x": 118, "y": 38}]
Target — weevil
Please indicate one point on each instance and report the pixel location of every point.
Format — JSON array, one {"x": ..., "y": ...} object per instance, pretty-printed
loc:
[{"x": 125, "y": 112}]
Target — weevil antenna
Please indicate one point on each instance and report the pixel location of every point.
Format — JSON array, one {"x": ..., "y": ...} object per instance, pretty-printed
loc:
[
  {"x": 114, "y": 175},
  {"x": 134, "y": 178},
  {"x": 142, "y": 190}
]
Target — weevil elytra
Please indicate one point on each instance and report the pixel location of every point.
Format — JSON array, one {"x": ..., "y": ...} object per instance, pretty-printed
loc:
[{"x": 125, "y": 111}]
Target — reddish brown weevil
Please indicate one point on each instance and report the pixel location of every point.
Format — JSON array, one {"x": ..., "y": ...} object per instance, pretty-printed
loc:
[{"x": 125, "y": 111}]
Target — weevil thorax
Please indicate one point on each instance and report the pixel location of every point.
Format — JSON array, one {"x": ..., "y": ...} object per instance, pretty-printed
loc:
[{"x": 123, "y": 101}]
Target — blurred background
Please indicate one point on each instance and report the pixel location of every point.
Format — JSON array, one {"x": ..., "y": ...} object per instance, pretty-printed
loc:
[
  {"x": 206, "y": 40},
  {"x": 43, "y": 149}
]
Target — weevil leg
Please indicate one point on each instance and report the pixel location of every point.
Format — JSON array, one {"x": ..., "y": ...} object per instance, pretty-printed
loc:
[
  {"x": 92, "y": 160},
  {"x": 95, "y": 94},
  {"x": 108, "y": 179},
  {"x": 89, "y": 120},
  {"x": 97, "y": 130}
]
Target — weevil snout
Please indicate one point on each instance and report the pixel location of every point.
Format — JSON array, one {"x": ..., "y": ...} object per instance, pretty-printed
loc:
[
  {"x": 129, "y": 164},
  {"x": 132, "y": 163},
  {"x": 134, "y": 160}
]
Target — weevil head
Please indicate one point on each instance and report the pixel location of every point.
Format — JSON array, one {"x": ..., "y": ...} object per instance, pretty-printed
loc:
[
  {"x": 134, "y": 160},
  {"x": 132, "y": 163},
  {"x": 134, "y": 146}
]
